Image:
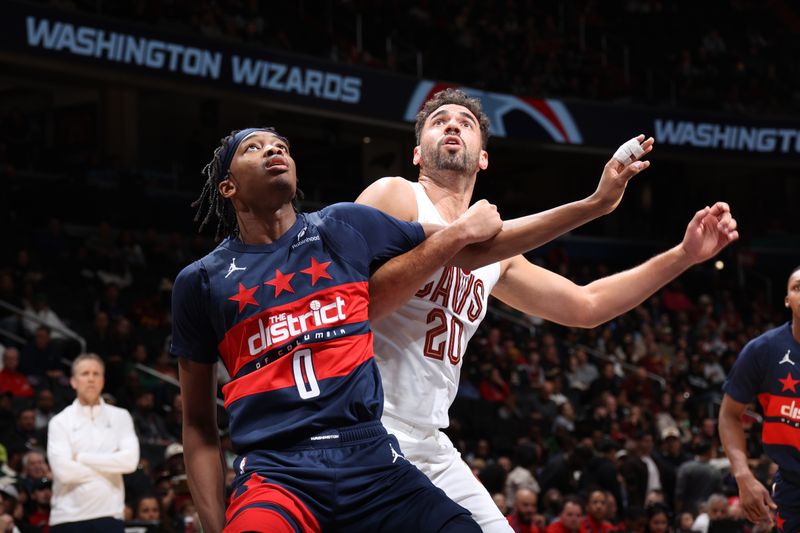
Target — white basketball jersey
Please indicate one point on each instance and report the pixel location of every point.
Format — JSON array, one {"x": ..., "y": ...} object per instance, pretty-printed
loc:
[{"x": 419, "y": 347}]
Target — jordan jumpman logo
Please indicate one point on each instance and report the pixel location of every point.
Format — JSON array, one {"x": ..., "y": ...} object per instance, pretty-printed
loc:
[{"x": 233, "y": 268}]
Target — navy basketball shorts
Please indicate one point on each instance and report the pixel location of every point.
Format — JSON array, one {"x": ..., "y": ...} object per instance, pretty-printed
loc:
[
  {"x": 353, "y": 479},
  {"x": 786, "y": 495}
]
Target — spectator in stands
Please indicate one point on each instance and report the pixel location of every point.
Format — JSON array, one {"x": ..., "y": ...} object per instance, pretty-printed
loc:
[
  {"x": 8, "y": 292},
  {"x": 9, "y": 496},
  {"x": 683, "y": 523},
  {"x": 11, "y": 380},
  {"x": 498, "y": 497},
  {"x": 44, "y": 408},
  {"x": 521, "y": 476},
  {"x": 601, "y": 471},
  {"x": 595, "y": 519},
  {"x": 98, "y": 340},
  {"x": 521, "y": 518},
  {"x": 569, "y": 520},
  {"x": 40, "y": 360},
  {"x": 657, "y": 518},
  {"x": 88, "y": 492},
  {"x": 150, "y": 425},
  {"x": 148, "y": 509},
  {"x": 696, "y": 480},
  {"x": 24, "y": 436},
  {"x": 493, "y": 387},
  {"x": 634, "y": 473},
  {"x": 39, "y": 504},
  {"x": 34, "y": 470},
  {"x": 174, "y": 420},
  {"x": 714, "y": 509},
  {"x": 111, "y": 302},
  {"x": 39, "y": 314},
  {"x": 668, "y": 459}
]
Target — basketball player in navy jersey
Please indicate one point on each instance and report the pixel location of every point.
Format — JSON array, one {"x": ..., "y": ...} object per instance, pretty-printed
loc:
[
  {"x": 283, "y": 301},
  {"x": 768, "y": 369}
]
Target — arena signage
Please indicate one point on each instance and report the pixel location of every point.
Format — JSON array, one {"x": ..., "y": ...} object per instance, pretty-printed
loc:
[
  {"x": 316, "y": 85},
  {"x": 727, "y": 137},
  {"x": 161, "y": 55}
]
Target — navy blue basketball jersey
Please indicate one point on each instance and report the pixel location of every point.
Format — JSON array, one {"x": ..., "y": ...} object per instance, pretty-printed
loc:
[
  {"x": 290, "y": 322},
  {"x": 768, "y": 369}
]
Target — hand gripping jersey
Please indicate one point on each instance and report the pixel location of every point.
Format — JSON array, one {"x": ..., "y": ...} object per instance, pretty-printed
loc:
[
  {"x": 419, "y": 347},
  {"x": 290, "y": 322},
  {"x": 769, "y": 369}
]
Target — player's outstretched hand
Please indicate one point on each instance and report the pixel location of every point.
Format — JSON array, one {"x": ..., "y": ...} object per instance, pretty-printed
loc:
[
  {"x": 480, "y": 222},
  {"x": 712, "y": 229},
  {"x": 619, "y": 170},
  {"x": 756, "y": 502}
]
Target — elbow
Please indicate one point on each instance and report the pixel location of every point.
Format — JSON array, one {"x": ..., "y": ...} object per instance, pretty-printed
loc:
[
  {"x": 130, "y": 462},
  {"x": 587, "y": 314}
]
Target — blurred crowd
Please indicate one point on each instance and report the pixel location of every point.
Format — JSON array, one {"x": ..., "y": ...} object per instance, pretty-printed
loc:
[
  {"x": 615, "y": 423},
  {"x": 636, "y": 51}
]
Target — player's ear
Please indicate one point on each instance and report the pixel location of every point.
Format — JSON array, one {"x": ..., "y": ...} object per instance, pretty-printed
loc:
[
  {"x": 417, "y": 156},
  {"x": 483, "y": 160},
  {"x": 226, "y": 188},
  {"x": 786, "y": 301}
]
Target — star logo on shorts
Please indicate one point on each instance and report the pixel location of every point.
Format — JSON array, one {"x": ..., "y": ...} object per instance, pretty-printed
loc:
[{"x": 779, "y": 521}]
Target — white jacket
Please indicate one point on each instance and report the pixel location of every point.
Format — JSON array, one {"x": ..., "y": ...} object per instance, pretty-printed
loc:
[{"x": 89, "y": 448}]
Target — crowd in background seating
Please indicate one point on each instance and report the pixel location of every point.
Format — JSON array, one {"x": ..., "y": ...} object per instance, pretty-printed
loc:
[
  {"x": 636, "y": 51},
  {"x": 628, "y": 407}
]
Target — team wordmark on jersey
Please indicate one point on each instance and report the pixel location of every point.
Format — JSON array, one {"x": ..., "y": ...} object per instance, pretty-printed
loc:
[
  {"x": 454, "y": 289},
  {"x": 284, "y": 326},
  {"x": 314, "y": 314}
]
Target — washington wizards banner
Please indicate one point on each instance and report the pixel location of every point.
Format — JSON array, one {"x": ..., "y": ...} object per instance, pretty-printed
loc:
[{"x": 310, "y": 85}]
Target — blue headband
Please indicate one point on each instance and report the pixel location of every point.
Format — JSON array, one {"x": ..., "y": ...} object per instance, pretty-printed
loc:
[{"x": 227, "y": 153}]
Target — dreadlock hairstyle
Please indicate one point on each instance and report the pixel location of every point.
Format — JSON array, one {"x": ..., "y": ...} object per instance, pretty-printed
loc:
[
  {"x": 457, "y": 97},
  {"x": 211, "y": 202}
]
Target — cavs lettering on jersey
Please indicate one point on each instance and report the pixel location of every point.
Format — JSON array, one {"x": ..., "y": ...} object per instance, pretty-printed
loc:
[
  {"x": 290, "y": 322},
  {"x": 419, "y": 347},
  {"x": 766, "y": 370}
]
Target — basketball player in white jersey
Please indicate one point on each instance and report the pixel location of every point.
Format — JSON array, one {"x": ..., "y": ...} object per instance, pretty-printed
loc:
[{"x": 419, "y": 347}]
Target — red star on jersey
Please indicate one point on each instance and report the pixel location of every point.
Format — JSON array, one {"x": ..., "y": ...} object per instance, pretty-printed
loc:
[
  {"x": 245, "y": 297},
  {"x": 281, "y": 282},
  {"x": 317, "y": 270},
  {"x": 789, "y": 383},
  {"x": 779, "y": 521}
]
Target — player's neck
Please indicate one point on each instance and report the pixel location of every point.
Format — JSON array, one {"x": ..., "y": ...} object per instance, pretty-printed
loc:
[
  {"x": 256, "y": 227},
  {"x": 796, "y": 329},
  {"x": 450, "y": 194}
]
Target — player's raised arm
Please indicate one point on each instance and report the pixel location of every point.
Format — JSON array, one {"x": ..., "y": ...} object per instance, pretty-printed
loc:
[
  {"x": 539, "y": 292},
  {"x": 395, "y": 197},
  {"x": 397, "y": 280},
  {"x": 527, "y": 233},
  {"x": 204, "y": 471}
]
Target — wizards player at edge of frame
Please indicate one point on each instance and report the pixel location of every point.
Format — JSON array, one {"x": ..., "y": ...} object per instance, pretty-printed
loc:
[
  {"x": 284, "y": 302},
  {"x": 768, "y": 369}
]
